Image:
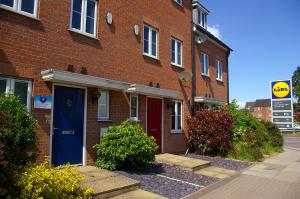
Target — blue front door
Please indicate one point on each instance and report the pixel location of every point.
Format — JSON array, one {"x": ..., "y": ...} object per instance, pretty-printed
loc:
[{"x": 68, "y": 124}]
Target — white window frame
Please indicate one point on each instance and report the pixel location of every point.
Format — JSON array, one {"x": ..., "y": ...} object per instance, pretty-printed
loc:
[
  {"x": 151, "y": 29},
  {"x": 203, "y": 63},
  {"x": 137, "y": 108},
  {"x": 17, "y": 8},
  {"x": 83, "y": 19},
  {"x": 179, "y": 2},
  {"x": 219, "y": 70},
  {"x": 107, "y": 106},
  {"x": 177, "y": 130},
  {"x": 10, "y": 87},
  {"x": 176, "y": 52},
  {"x": 202, "y": 21}
]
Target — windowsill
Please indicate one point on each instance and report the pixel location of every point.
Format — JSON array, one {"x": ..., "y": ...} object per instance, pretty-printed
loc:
[
  {"x": 177, "y": 131},
  {"x": 104, "y": 120},
  {"x": 205, "y": 75},
  {"x": 19, "y": 13},
  {"x": 83, "y": 33},
  {"x": 220, "y": 80},
  {"x": 147, "y": 55},
  {"x": 134, "y": 119},
  {"x": 179, "y": 66}
]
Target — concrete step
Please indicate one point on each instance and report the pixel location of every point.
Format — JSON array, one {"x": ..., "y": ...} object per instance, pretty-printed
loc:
[
  {"x": 105, "y": 183},
  {"x": 190, "y": 164},
  {"x": 216, "y": 172},
  {"x": 138, "y": 194}
]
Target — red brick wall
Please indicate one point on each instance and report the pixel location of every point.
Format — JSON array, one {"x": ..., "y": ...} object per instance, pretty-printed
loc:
[
  {"x": 209, "y": 86},
  {"x": 28, "y": 45},
  {"x": 262, "y": 114}
]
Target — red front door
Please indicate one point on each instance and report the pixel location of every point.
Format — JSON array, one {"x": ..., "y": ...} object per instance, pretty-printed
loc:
[{"x": 154, "y": 120}]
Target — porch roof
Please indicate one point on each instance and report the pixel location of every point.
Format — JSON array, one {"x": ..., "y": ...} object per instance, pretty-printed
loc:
[
  {"x": 208, "y": 100},
  {"x": 60, "y": 76}
]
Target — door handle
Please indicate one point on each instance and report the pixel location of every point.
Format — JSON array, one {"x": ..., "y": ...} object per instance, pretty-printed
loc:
[{"x": 68, "y": 132}]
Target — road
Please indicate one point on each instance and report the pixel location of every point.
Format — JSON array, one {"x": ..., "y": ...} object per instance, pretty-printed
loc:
[{"x": 292, "y": 141}]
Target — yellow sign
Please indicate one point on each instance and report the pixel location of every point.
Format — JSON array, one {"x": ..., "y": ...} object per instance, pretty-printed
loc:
[{"x": 281, "y": 89}]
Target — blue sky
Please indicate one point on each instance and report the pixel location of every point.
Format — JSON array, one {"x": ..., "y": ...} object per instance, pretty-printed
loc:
[{"x": 265, "y": 37}]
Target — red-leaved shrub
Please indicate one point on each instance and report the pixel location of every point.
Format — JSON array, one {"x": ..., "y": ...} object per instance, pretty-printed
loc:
[{"x": 210, "y": 132}]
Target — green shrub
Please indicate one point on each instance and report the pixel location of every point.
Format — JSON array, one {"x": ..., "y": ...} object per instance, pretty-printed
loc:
[
  {"x": 17, "y": 136},
  {"x": 42, "y": 181},
  {"x": 125, "y": 145},
  {"x": 276, "y": 138},
  {"x": 243, "y": 152},
  {"x": 17, "y": 132}
]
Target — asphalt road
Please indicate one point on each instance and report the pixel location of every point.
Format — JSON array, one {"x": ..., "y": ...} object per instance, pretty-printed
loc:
[{"x": 292, "y": 141}]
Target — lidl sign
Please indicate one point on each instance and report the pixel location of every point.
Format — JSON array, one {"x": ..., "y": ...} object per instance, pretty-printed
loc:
[{"x": 281, "y": 89}]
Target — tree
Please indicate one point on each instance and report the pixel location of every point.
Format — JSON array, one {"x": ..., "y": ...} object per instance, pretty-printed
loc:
[{"x": 296, "y": 83}]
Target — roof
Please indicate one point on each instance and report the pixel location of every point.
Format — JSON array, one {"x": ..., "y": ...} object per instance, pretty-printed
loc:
[
  {"x": 211, "y": 36},
  {"x": 249, "y": 105},
  {"x": 263, "y": 103},
  {"x": 199, "y": 5},
  {"x": 258, "y": 103}
]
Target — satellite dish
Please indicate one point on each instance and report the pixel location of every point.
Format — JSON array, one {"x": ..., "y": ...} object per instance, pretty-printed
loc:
[
  {"x": 109, "y": 18},
  {"x": 185, "y": 76},
  {"x": 201, "y": 38}
]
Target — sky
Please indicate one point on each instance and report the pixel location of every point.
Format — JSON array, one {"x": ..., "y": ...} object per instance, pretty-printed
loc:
[{"x": 265, "y": 38}]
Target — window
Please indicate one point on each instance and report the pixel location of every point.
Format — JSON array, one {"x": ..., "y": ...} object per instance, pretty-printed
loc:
[
  {"x": 20, "y": 88},
  {"x": 204, "y": 64},
  {"x": 150, "y": 41},
  {"x": 25, "y": 7},
  {"x": 84, "y": 16},
  {"x": 103, "y": 106},
  {"x": 179, "y": 2},
  {"x": 176, "y": 116},
  {"x": 202, "y": 19},
  {"x": 219, "y": 70},
  {"x": 134, "y": 104},
  {"x": 176, "y": 52}
]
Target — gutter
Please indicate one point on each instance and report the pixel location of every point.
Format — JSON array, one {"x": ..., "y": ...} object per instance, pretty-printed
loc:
[{"x": 193, "y": 64}]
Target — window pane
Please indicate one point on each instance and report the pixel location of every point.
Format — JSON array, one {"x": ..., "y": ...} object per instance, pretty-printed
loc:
[
  {"x": 2, "y": 86},
  {"x": 9, "y": 3},
  {"x": 173, "y": 51},
  {"x": 20, "y": 90},
  {"x": 28, "y": 6},
  {"x": 179, "y": 53},
  {"x": 76, "y": 14},
  {"x": 202, "y": 63},
  {"x": 103, "y": 104},
  {"x": 146, "y": 39},
  {"x": 90, "y": 17},
  {"x": 153, "y": 43},
  {"x": 179, "y": 108},
  {"x": 133, "y": 106},
  {"x": 206, "y": 64},
  {"x": 173, "y": 122},
  {"x": 179, "y": 122}
]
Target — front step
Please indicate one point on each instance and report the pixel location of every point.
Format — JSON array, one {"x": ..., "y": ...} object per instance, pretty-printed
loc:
[
  {"x": 190, "y": 164},
  {"x": 138, "y": 194},
  {"x": 216, "y": 172},
  {"x": 106, "y": 184}
]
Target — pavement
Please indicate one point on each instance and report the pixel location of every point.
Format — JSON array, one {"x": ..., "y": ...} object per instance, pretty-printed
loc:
[
  {"x": 189, "y": 164},
  {"x": 275, "y": 178}
]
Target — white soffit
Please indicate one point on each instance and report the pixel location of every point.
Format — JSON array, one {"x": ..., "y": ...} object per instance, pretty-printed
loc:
[
  {"x": 61, "y": 76},
  {"x": 208, "y": 100},
  {"x": 152, "y": 91}
]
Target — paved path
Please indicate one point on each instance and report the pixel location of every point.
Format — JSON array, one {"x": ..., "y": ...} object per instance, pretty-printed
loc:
[{"x": 275, "y": 178}]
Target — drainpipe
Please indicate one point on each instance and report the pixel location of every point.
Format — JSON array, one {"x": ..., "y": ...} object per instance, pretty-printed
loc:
[
  {"x": 227, "y": 64},
  {"x": 193, "y": 66}
]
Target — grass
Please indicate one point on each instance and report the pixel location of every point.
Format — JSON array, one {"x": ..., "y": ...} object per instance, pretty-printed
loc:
[
  {"x": 268, "y": 149},
  {"x": 243, "y": 152}
]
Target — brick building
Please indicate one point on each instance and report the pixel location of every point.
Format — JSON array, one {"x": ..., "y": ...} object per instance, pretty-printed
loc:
[
  {"x": 260, "y": 109},
  {"x": 81, "y": 66}
]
